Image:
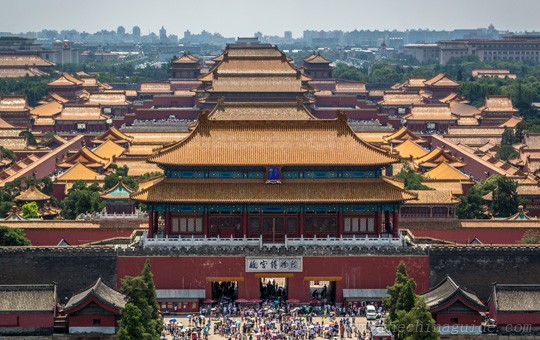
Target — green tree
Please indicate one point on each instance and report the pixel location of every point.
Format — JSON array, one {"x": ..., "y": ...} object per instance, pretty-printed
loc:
[
  {"x": 135, "y": 289},
  {"x": 150, "y": 295},
  {"x": 417, "y": 324},
  {"x": 82, "y": 199},
  {"x": 470, "y": 206},
  {"x": 130, "y": 324},
  {"x": 505, "y": 199},
  {"x": 530, "y": 237},
  {"x": 397, "y": 297},
  {"x": 12, "y": 237},
  {"x": 30, "y": 210},
  {"x": 507, "y": 137},
  {"x": 412, "y": 179},
  {"x": 6, "y": 153},
  {"x": 29, "y": 137},
  {"x": 520, "y": 131},
  {"x": 507, "y": 152}
]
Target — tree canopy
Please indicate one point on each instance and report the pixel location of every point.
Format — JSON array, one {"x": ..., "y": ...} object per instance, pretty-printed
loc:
[
  {"x": 30, "y": 210},
  {"x": 530, "y": 237},
  {"x": 140, "y": 292},
  {"x": 11, "y": 237},
  {"x": 412, "y": 179},
  {"x": 82, "y": 199}
]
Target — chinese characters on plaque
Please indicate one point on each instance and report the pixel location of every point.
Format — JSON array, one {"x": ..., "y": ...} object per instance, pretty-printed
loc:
[{"x": 273, "y": 264}]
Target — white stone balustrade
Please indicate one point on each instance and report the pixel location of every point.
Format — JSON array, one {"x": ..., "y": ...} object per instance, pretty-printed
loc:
[{"x": 258, "y": 242}]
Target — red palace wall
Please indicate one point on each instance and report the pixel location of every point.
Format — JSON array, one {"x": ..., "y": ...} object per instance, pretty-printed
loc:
[
  {"x": 27, "y": 320},
  {"x": 51, "y": 237},
  {"x": 87, "y": 320},
  {"x": 444, "y": 318},
  {"x": 354, "y": 272},
  {"x": 464, "y": 236}
]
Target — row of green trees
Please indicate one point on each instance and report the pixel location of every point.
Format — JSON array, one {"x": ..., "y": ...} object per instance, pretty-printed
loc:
[
  {"x": 408, "y": 316},
  {"x": 140, "y": 316},
  {"x": 13, "y": 237}
]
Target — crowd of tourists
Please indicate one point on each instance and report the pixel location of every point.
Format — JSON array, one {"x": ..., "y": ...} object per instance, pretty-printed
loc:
[{"x": 273, "y": 320}]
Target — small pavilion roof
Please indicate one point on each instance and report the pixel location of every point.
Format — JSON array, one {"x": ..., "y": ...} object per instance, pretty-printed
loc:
[
  {"x": 119, "y": 191},
  {"x": 109, "y": 150},
  {"x": 113, "y": 134},
  {"x": 169, "y": 190},
  {"x": 436, "y": 156},
  {"x": 316, "y": 58},
  {"x": 441, "y": 80},
  {"x": 521, "y": 215},
  {"x": 102, "y": 293},
  {"x": 409, "y": 149},
  {"x": 78, "y": 172},
  {"x": 32, "y": 194},
  {"x": 262, "y": 142},
  {"x": 14, "y": 215},
  {"x": 65, "y": 80},
  {"x": 402, "y": 135},
  {"x": 86, "y": 157},
  {"x": 187, "y": 58},
  {"x": 444, "y": 292},
  {"x": 445, "y": 171}
]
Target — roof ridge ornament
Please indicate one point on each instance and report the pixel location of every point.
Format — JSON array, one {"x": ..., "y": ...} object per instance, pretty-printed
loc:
[{"x": 342, "y": 117}]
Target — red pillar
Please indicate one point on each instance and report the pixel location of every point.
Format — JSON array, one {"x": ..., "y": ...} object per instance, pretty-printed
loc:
[
  {"x": 387, "y": 220},
  {"x": 150, "y": 224},
  {"x": 167, "y": 223},
  {"x": 206, "y": 224},
  {"x": 244, "y": 224},
  {"x": 301, "y": 223},
  {"x": 395, "y": 224},
  {"x": 156, "y": 221},
  {"x": 340, "y": 224},
  {"x": 378, "y": 223}
]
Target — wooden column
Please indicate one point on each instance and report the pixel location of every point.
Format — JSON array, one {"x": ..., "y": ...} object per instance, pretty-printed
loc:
[
  {"x": 167, "y": 223},
  {"x": 340, "y": 224},
  {"x": 395, "y": 223},
  {"x": 301, "y": 223},
  {"x": 206, "y": 224},
  {"x": 156, "y": 221},
  {"x": 387, "y": 221},
  {"x": 150, "y": 224},
  {"x": 244, "y": 224},
  {"x": 378, "y": 223}
]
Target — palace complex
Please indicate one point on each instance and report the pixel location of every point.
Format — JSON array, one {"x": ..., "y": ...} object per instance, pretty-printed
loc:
[{"x": 247, "y": 177}]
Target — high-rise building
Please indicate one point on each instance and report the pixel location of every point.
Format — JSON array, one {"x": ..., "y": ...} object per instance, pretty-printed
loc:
[
  {"x": 136, "y": 31},
  {"x": 287, "y": 35},
  {"x": 121, "y": 30},
  {"x": 163, "y": 34}
]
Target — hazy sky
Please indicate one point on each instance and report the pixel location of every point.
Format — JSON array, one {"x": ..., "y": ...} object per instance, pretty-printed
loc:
[{"x": 244, "y": 17}]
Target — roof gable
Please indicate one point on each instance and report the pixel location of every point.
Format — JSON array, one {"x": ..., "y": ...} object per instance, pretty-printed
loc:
[
  {"x": 410, "y": 149},
  {"x": 99, "y": 292},
  {"x": 441, "y": 80},
  {"x": 78, "y": 172},
  {"x": 109, "y": 150},
  {"x": 65, "y": 79},
  {"x": 443, "y": 294},
  {"x": 445, "y": 171}
]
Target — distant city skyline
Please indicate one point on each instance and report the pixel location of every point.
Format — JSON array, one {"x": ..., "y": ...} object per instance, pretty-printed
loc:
[{"x": 245, "y": 17}]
